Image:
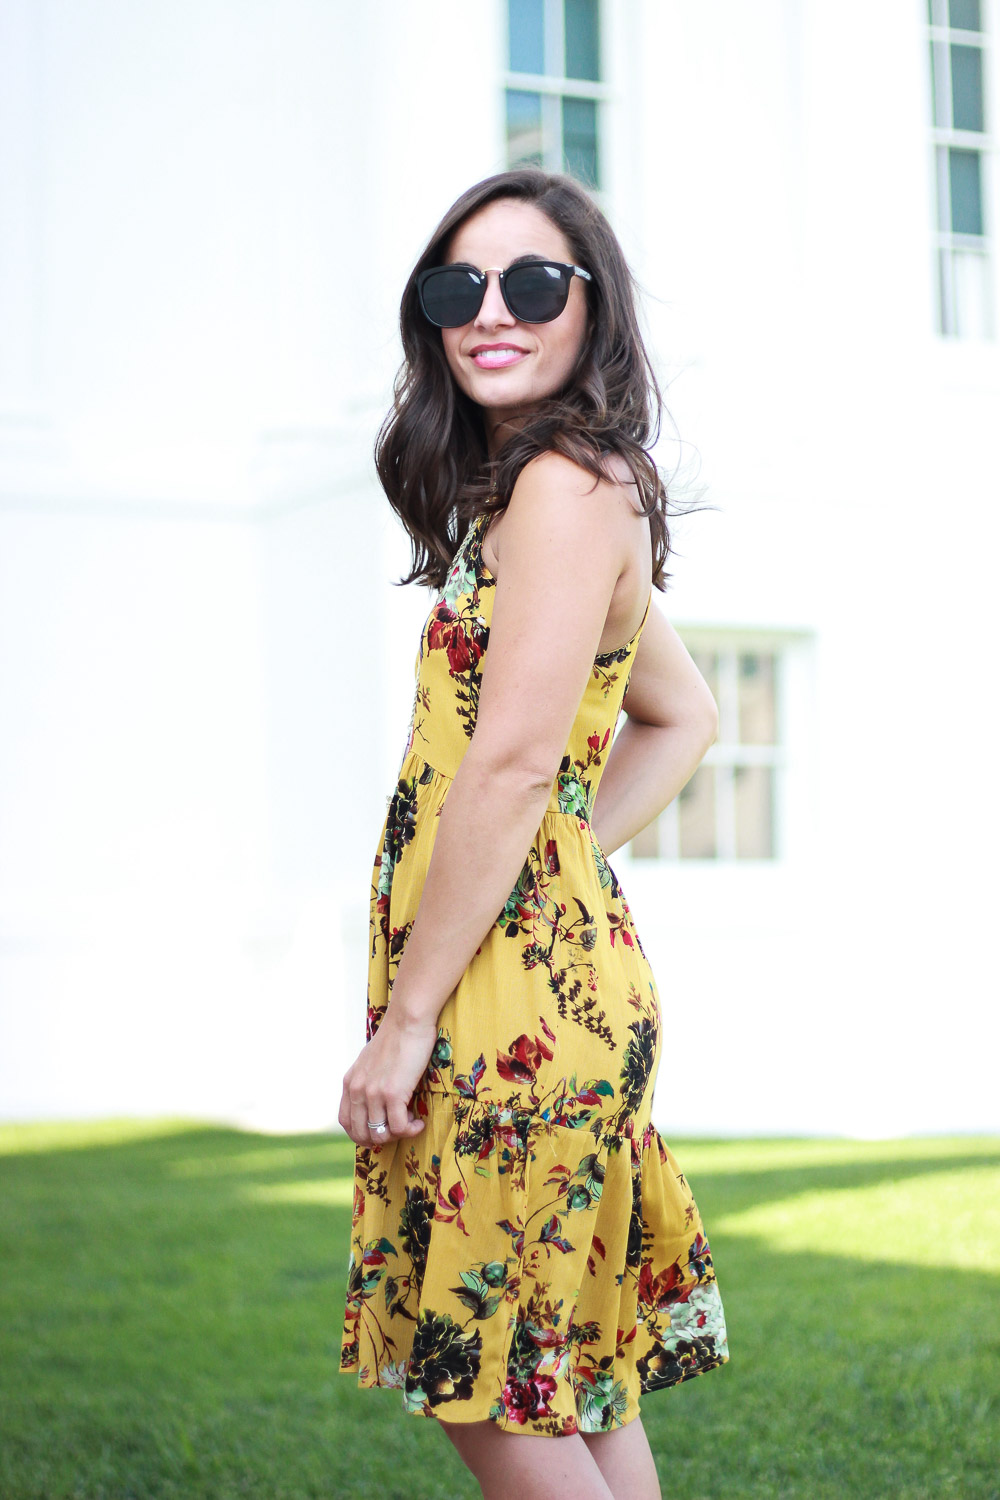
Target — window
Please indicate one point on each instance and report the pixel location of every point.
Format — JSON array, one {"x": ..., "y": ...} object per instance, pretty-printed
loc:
[
  {"x": 730, "y": 809},
  {"x": 554, "y": 90},
  {"x": 959, "y": 62}
]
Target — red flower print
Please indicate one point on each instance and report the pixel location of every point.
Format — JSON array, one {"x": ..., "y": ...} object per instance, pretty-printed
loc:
[
  {"x": 660, "y": 1291},
  {"x": 528, "y": 1398},
  {"x": 447, "y": 632},
  {"x": 521, "y": 1063},
  {"x": 441, "y": 622}
]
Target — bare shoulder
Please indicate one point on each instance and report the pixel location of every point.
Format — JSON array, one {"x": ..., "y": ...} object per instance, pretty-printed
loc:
[
  {"x": 616, "y": 468},
  {"x": 562, "y": 551},
  {"x": 557, "y": 500}
]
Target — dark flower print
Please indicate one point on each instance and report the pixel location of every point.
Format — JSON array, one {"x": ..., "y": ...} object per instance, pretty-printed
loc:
[
  {"x": 633, "y": 1253},
  {"x": 463, "y": 640},
  {"x": 523, "y": 1355},
  {"x": 637, "y": 1063},
  {"x": 400, "y": 827},
  {"x": 402, "y": 821},
  {"x": 444, "y": 1363},
  {"x": 476, "y": 1139},
  {"x": 529, "y": 1399},
  {"x": 415, "y": 1227},
  {"x": 664, "y": 1367},
  {"x": 520, "y": 1063}
]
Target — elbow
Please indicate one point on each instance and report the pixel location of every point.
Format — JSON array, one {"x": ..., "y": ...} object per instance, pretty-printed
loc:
[
  {"x": 697, "y": 719},
  {"x": 710, "y": 723},
  {"x": 509, "y": 772},
  {"x": 699, "y": 724},
  {"x": 703, "y": 713}
]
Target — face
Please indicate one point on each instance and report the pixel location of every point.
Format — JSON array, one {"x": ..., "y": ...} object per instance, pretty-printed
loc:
[{"x": 505, "y": 366}]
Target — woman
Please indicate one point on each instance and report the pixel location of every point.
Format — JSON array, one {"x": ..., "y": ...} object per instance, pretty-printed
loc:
[{"x": 526, "y": 1255}]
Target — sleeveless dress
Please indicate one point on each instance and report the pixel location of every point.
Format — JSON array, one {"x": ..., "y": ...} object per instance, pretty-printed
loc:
[{"x": 535, "y": 1256}]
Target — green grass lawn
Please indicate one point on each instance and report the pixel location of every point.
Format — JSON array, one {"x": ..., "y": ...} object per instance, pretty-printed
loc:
[{"x": 171, "y": 1296}]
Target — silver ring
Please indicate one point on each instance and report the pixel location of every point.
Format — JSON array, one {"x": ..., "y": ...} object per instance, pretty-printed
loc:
[{"x": 378, "y": 1125}]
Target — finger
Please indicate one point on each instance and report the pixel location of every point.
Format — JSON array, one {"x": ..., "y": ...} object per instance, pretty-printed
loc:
[
  {"x": 359, "y": 1123},
  {"x": 344, "y": 1113},
  {"x": 397, "y": 1116},
  {"x": 377, "y": 1113}
]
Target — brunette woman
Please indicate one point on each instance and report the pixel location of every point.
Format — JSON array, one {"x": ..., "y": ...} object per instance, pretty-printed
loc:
[{"x": 527, "y": 1258}]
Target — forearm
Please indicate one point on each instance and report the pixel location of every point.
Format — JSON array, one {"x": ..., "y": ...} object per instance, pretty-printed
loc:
[
  {"x": 489, "y": 818},
  {"x": 647, "y": 767}
]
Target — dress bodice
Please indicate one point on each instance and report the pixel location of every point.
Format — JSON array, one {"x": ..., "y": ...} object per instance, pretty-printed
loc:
[{"x": 449, "y": 666}]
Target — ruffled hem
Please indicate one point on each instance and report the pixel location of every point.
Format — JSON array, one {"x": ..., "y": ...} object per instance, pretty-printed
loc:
[{"x": 509, "y": 1269}]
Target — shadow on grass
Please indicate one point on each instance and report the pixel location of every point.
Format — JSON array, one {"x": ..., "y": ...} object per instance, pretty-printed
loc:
[{"x": 169, "y": 1335}]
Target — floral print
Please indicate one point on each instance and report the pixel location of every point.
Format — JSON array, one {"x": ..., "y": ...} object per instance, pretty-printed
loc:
[{"x": 535, "y": 1257}]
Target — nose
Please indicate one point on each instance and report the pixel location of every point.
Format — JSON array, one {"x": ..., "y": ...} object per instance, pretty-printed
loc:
[{"x": 494, "y": 312}]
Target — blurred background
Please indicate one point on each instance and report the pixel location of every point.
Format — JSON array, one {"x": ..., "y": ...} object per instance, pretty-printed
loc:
[{"x": 209, "y": 210}]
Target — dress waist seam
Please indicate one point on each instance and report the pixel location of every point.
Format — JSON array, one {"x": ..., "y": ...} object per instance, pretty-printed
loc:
[{"x": 552, "y": 809}]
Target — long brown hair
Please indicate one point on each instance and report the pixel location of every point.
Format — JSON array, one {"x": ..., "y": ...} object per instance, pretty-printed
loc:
[{"x": 431, "y": 451}]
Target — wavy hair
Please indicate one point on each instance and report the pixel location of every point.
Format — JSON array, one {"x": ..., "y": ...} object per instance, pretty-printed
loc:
[{"x": 431, "y": 451}]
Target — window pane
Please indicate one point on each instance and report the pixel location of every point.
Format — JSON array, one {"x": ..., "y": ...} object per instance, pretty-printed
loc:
[
  {"x": 936, "y": 111},
  {"x": 753, "y": 791},
  {"x": 526, "y": 34},
  {"x": 964, "y": 15},
  {"x": 758, "y": 720},
  {"x": 524, "y": 128},
  {"x": 579, "y": 122},
  {"x": 944, "y": 208},
  {"x": 696, "y": 815},
  {"x": 583, "y": 52},
  {"x": 966, "y": 192},
  {"x": 967, "y": 88}
]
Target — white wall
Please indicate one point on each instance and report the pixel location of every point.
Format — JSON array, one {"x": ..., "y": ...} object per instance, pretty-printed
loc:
[{"x": 205, "y": 673}]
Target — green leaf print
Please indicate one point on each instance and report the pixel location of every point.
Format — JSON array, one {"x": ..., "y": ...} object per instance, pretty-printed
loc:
[
  {"x": 476, "y": 1294},
  {"x": 461, "y": 579}
]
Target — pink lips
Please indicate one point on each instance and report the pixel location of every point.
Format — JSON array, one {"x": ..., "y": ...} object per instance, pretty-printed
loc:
[{"x": 496, "y": 356}]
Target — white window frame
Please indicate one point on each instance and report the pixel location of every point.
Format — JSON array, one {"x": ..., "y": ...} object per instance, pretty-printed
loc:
[
  {"x": 791, "y": 651},
  {"x": 554, "y": 87},
  {"x": 950, "y": 249}
]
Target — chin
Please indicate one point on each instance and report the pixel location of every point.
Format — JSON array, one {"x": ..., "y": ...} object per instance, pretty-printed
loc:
[{"x": 510, "y": 399}]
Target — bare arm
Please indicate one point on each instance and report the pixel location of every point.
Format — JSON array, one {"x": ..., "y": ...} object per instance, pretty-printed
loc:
[
  {"x": 565, "y": 544},
  {"x": 672, "y": 720}
]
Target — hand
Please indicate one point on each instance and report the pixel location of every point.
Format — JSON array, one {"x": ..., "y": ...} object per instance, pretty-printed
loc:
[{"x": 379, "y": 1084}]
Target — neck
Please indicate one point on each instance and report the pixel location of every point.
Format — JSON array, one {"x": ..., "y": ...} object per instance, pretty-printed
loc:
[{"x": 499, "y": 429}]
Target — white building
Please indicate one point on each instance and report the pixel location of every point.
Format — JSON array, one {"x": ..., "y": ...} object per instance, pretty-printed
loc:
[{"x": 209, "y": 211}]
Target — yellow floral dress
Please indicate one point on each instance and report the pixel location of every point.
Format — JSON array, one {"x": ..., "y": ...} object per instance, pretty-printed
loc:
[{"x": 535, "y": 1256}]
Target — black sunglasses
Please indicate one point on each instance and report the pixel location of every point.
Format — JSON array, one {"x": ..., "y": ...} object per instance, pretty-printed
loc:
[{"x": 535, "y": 291}]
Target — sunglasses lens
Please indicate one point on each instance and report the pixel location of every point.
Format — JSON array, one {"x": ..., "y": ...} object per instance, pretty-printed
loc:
[
  {"x": 536, "y": 293},
  {"x": 451, "y": 296}
]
